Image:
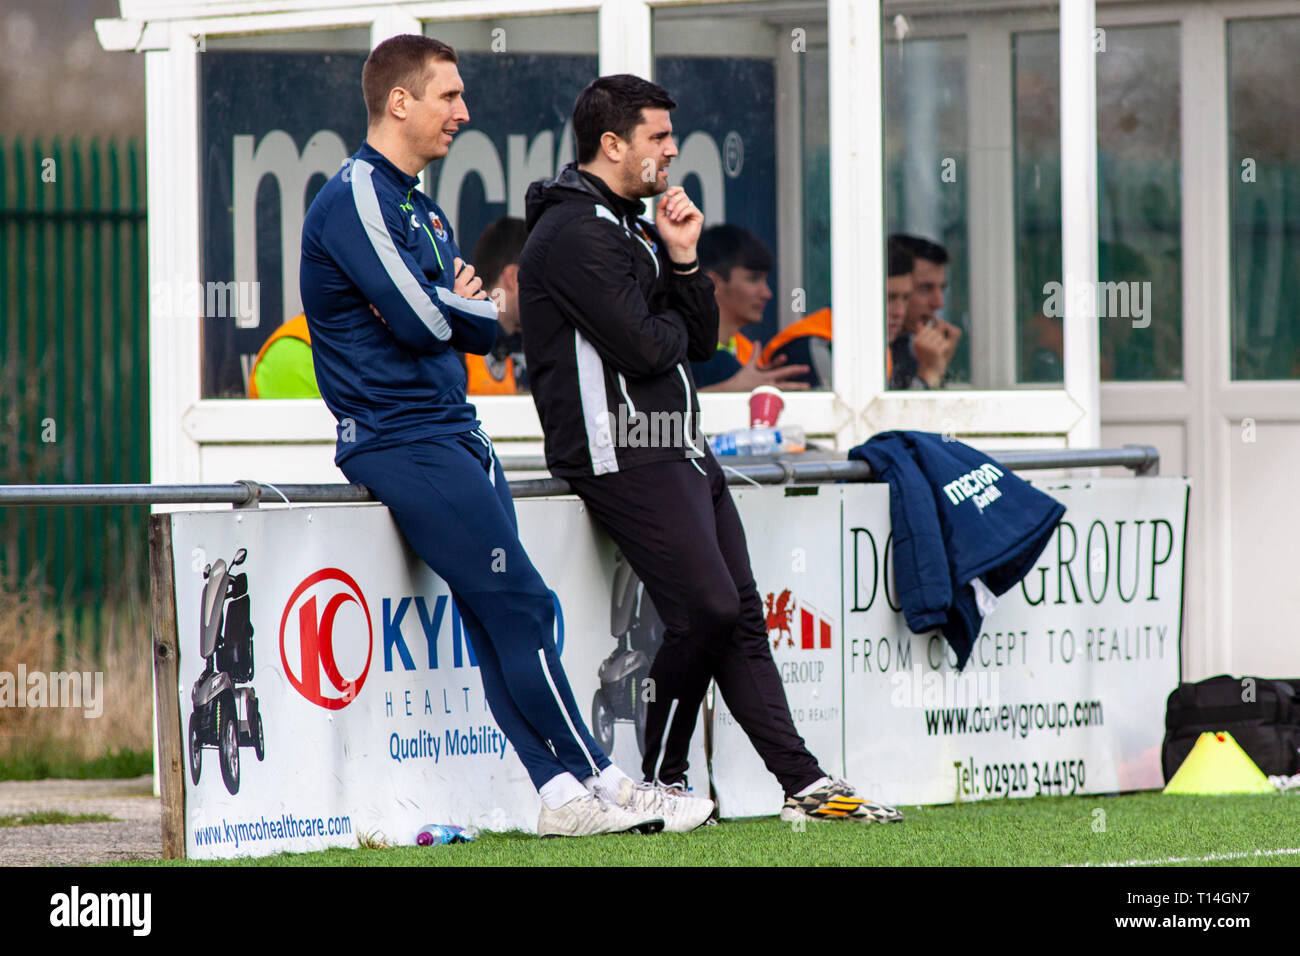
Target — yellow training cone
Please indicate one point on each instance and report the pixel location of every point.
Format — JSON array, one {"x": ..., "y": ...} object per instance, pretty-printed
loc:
[{"x": 1217, "y": 764}]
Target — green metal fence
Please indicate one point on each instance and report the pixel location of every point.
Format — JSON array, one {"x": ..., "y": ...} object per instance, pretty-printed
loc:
[{"x": 74, "y": 360}]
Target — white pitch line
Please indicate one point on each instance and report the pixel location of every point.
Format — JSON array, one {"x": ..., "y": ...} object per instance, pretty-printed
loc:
[{"x": 1210, "y": 858}]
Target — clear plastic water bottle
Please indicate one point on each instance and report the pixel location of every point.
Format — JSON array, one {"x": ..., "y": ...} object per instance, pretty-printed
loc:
[
  {"x": 440, "y": 834},
  {"x": 732, "y": 443},
  {"x": 759, "y": 440},
  {"x": 792, "y": 438},
  {"x": 723, "y": 444}
]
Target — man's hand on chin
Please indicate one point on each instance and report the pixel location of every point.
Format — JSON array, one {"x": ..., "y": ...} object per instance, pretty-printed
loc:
[{"x": 679, "y": 222}]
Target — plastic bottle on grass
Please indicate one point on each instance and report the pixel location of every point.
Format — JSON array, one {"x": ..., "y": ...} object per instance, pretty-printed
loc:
[{"x": 440, "y": 834}]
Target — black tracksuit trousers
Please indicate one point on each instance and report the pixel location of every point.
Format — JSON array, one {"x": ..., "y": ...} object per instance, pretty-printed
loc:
[{"x": 678, "y": 528}]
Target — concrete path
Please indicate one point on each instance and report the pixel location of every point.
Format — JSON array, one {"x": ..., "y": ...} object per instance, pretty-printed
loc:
[{"x": 137, "y": 834}]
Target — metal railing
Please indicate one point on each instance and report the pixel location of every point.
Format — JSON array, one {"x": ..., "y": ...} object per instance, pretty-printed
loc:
[{"x": 808, "y": 468}]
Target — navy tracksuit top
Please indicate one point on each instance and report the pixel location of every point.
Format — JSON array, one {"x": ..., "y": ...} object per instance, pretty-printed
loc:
[
  {"x": 956, "y": 515},
  {"x": 371, "y": 238}
]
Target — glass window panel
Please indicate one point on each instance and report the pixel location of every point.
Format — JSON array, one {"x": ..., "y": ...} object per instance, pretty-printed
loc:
[
  {"x": 926, "y": 168},
  {"x": 972, "y": 154},
  {"x": 1264, "y": 163},
  {"x": 752, "y": 124},
  {"x": 265, "y": 144},
  {"x": 522, "y": 76},
  {"x": 1139, "y": 188},
  {"x": 1037, "y": 85},
  {"x": 1139, "y": 256},
  {"x": 346, "y": 38},
  {"x": 277, "y": 116}
]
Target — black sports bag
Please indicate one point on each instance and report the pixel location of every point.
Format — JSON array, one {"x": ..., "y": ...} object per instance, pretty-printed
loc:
[{"x": 1267, "y": 727}]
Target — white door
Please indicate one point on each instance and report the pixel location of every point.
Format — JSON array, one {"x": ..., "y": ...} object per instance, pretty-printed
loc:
[{"x": 1223, "y": 402}]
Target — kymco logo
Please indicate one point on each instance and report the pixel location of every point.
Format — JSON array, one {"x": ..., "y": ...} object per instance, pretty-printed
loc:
[{"x": 332, "y": 638}]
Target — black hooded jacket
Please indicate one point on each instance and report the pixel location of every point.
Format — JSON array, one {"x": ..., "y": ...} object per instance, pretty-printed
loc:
[{"x": 609, "y": 330}]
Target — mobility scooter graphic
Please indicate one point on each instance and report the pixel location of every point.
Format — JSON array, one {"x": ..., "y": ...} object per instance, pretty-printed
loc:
[
  {"x": 636, "y": 626},
  {"x": 226, "y": 644}
]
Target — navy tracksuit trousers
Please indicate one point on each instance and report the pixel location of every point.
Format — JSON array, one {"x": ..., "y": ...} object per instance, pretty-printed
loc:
[{"x": 450, "y": 499}]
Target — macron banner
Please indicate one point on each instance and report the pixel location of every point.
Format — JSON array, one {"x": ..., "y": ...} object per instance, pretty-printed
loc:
[{"x": 328, "y": 692}]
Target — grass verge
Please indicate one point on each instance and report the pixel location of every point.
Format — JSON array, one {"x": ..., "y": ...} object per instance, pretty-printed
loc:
[
  {"x": 49, "y": 762},
  {"x": 37, "y": 818},
  {"x": 103, "y": 730}
]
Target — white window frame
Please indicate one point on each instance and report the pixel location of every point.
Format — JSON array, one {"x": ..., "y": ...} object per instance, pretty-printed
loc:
[{"x": 1065, "y": 414}]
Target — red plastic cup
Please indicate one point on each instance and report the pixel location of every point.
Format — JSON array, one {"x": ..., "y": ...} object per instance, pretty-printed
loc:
[{"x": 765, "y": 404}]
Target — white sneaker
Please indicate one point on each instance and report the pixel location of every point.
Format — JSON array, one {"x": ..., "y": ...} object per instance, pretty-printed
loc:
[
  {"x": 591, "y": 815},
  {"x": 681, "y": 810}
]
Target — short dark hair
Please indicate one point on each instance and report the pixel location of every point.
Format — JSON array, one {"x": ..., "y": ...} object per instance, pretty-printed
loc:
[
  {"x": 723, "y": 248},
  {"x": 402, "y": 61},
  {"x": 901, "y": 262},
  {"x": 499, "y": 246},
  {"x": 613, "y": 104},
  {"x": 922, "y": 248}
]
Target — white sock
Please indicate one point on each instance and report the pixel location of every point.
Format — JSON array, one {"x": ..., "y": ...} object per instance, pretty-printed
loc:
[
  {"x": 813, "y": 786},
  {"x": 560, "y": 789},
  {"x": 608, "y": 783}
]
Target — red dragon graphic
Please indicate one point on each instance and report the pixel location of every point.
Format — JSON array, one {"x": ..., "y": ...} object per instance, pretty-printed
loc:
[{"x": 779, "y": 616}]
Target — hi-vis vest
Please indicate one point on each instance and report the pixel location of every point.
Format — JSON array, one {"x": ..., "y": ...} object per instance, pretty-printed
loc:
[
  {"x": 742, "y": 349},
  {"x": 295, "y": 328},
  {"x": 817, "y": 325},
  {"x": 481, "y": 379}
]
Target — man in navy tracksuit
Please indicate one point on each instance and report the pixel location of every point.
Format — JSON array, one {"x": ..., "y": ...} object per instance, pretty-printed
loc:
[{"x": 387, "y": 300}]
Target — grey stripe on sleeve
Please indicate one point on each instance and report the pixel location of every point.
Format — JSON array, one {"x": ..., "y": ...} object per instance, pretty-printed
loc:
[
  {"x": 367, "y": 204},
  {"x": 482, "y": 308}
]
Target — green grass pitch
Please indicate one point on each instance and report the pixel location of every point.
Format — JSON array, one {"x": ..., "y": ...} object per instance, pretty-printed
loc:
[{"x": 1042, "y": 831}]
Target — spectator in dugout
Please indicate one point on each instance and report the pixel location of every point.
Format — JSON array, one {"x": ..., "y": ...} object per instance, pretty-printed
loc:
[
  {"x": 496, "y": 257},
  {"x": 920, "y": 356},
  {"x": 283, "y": 367},
  {"x": 739, "y": 263},
  {"x": 807, "y": 343}
]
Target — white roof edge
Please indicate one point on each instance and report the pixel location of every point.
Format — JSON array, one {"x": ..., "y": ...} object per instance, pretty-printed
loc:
[
  {"x": 133, "y": 36},
  {"x": 118, "y": 35},
  {"x": 146, "y": 10}
]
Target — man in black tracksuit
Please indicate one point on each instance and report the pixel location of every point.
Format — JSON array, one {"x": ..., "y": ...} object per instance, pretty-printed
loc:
[{"x": 614, "y": 308}]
